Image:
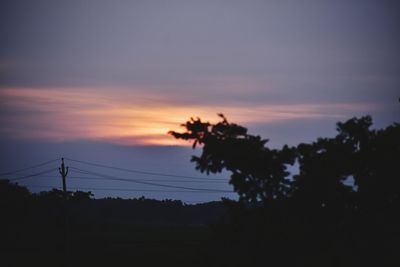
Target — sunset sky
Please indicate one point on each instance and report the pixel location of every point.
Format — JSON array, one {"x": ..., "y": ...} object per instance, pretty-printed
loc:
[{"x": 104, "y": 81}]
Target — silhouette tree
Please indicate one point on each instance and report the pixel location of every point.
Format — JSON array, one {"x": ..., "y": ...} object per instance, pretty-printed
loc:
[
  {"x": 259, "y": 173},
  {"x": 13, "y": 201},
  {"x": 59, "y": 195},
  {"x": 346, "y": 196},
  {"x": 12, "y": 191},
  {"x": 369, "y": 157}
]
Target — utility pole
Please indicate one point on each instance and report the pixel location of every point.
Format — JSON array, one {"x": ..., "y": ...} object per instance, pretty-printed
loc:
[{"x": 63, "y": 171}]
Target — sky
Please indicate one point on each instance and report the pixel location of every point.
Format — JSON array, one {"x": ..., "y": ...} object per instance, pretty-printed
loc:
[{"x": 104, "y": 81}]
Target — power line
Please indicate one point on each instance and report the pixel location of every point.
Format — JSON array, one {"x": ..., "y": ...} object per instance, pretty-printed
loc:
[
  {"x": 99, "y": 176},
  {"x": 124, "y": 189},
  {"x": 146, "y": 180},
  {"x": 143, "y": 172},
  {"x": 148, "y": 183},
  {"x": 108, "y": 177},
  {"x": 30, "y": 167},
  {"x": 32, "y": 175}
]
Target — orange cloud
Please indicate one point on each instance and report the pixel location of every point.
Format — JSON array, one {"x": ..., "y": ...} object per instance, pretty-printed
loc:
[{"x": 130, "y": 116}]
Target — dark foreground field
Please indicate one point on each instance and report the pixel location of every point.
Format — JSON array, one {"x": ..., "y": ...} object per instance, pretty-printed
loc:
[
  {"x": 108, "y": 232},
  {"x": 114, "y": 246},
  {"x": 49, "y": 229}
]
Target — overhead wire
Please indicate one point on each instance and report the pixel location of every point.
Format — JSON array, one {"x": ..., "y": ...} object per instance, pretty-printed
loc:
[
  {"x": 30, "y": 167},
  {"x": 147, "y": 183},
  {"x": 148, "y": 180},
  {"x": 124, "y": 189},
  {"x": 143, "y": 172},
  {"x": 31, "y": 175},
  {"x": 99, "y": 176}
]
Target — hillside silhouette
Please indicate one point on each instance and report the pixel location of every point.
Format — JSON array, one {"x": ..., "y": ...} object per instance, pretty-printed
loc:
[{"x": 340, "y": 209}]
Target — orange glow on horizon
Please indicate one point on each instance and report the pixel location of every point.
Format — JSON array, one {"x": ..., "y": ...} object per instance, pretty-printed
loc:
[{"x": 130, "y": 117}]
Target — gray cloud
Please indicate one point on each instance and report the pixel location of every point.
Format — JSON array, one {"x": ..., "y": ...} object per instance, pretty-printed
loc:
[{"x": 319, "y": 50}]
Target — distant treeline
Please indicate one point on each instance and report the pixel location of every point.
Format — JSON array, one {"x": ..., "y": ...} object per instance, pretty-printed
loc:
[{"x": 18, "y": 205}]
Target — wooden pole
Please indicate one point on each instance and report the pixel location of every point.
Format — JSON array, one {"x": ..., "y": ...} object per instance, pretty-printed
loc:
[{"x": 64, "y": 172}]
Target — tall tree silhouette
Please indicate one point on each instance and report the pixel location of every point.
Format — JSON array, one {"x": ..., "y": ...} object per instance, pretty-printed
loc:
[
  {"x": 369, "y": 157},
  {"x": 258, "y": 172}
]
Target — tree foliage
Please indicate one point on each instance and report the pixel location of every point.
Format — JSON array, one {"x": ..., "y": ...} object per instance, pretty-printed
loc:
[
  {"x": 258, "y": 172},
  {"x": 326, "y": 167},
  {"x": 341, "y": 207}
]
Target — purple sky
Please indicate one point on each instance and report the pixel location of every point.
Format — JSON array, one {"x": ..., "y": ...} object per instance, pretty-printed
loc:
[{"x": 103, "y": 81}]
